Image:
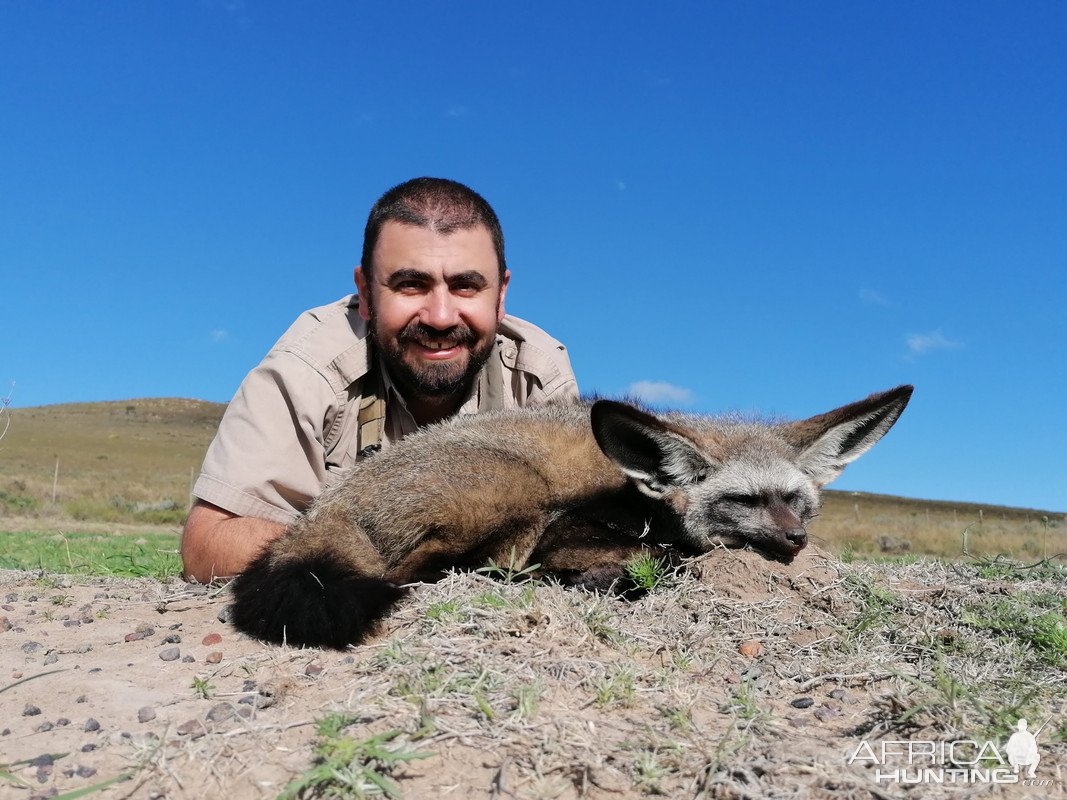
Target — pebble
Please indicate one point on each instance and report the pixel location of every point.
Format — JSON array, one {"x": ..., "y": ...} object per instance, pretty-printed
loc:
[
  {"x": 146, "y": 714},
  {"x": 312, "y": 670},
  {"x": 5, "y": 624},
  {"x": 751, "y": 649},
  {"x": 803, "y": 702},
  {"x": 172, "y": 639},
  {"x": 62, "y": 722},
  {"x": 170, "y": 654},
  {"x": 220, "y": 712},
  {"x": 91, "y": 725},
  {"x": 136, "y": 636},
  {"x": 188, "y": 659},
  {"x": 211, "y": 639},
  {"x": 88, "y": 748},
  {"x": 214, "y": 658},
  {"x": 30, "y": 710},
  {"x": 31, "y": 647},
  {"x": 825, "y": 713},
  {"x": 85, "y": 647},
  {"x": 225, "y": 614},
  {"x": 44, "y": 727},
  {"x": 51, "y": 658},
  {"x": 194, "y": 728}
]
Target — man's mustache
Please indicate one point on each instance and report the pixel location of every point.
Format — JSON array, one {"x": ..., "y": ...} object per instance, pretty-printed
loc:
[{"x": 417, "y": 333}]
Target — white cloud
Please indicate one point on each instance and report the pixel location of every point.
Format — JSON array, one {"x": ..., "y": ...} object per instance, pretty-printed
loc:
[
  {"x": 873, "y": 298},
  {"x": 656, "y": 392},
  {"x": 922, "y": 343},
  {"x": 219, "y": 335},
  {"x": 620, "y": 185},
  {"x": 454, "y": 112}
]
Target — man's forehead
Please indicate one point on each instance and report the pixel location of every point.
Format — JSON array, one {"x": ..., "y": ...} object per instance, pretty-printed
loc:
[{"x": 401, "y": 246}]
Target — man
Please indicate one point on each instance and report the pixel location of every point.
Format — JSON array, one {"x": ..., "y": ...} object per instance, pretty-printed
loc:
[{"x": 426, "y": 338}]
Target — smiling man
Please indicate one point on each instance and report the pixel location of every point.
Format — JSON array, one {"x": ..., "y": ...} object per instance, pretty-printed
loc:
[{"x": 426, "y": 338}]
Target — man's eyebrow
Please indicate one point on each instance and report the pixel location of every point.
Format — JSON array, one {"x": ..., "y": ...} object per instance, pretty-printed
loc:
[
  {"x": 471, "y": 276},
  {"x": 408, "y": 274}
]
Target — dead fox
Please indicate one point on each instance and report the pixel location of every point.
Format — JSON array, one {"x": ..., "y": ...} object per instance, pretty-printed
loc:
[{"x": 579, "y": 490}]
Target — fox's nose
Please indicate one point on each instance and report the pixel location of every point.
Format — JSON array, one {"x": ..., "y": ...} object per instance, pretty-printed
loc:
[{"x": 798, "y": 537}]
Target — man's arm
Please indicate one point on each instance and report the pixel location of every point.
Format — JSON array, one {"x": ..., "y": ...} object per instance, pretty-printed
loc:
[{"x": 218, "y": 544}]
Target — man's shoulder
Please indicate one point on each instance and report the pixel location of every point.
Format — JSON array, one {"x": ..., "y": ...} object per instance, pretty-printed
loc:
[
  {"x": 331, "y": 339},
  {"x": 529, "y": 348}
]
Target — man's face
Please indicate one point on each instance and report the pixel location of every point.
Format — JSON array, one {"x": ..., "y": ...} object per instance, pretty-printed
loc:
[{"x": 434, "y": 302}]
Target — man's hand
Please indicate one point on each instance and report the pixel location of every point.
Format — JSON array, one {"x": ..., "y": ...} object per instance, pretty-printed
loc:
[{"x": 218, "y": 544}]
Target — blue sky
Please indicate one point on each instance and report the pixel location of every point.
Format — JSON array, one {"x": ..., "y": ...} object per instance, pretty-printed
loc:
[{"x": 755, "y": 206}]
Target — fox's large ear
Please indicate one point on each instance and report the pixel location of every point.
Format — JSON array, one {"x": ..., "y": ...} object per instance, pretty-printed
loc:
[
  {"x": 828, "y": 442},
  {"x": 645, "y": 448}
]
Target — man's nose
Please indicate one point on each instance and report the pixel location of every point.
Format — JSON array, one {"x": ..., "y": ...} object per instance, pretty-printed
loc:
[{"x": 440, "y": 310}]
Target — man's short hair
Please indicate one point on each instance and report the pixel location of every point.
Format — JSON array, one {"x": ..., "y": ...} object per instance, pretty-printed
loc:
[{"x": 440, "y": 204}]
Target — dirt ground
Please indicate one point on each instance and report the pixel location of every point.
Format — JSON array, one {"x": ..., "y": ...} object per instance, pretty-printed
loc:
[{"x": 740, "y": 678}]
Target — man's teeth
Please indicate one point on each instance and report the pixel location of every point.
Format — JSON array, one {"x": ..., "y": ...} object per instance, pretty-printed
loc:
[{"x": 436, "y": 346}]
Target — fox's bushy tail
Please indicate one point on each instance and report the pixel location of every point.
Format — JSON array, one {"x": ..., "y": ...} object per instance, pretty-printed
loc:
[{"x": 314, "y": 601}]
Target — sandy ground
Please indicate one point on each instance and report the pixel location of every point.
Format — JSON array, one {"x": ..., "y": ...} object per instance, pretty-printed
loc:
[{"x": 736, "y": 681}]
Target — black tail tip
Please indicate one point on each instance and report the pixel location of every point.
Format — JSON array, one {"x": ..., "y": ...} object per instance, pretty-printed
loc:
[{"x": 310, "y": 603}]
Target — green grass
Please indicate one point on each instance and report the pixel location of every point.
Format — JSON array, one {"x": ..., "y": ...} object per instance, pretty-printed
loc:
[
  {"x": 350, "y": 768},
  {"x": 121, "y": 555}
]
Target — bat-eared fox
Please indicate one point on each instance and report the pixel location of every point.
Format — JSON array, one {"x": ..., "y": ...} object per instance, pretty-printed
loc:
[{"x": 579, "y": 490}]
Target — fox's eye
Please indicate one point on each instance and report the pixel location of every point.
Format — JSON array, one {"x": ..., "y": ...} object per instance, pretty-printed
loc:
[
  {"x": 789, "y": 498},
  {"x": 742, "y": 499}
]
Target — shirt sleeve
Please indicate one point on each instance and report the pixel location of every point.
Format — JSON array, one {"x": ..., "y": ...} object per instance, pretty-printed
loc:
[{"x": 268, "y": 458}]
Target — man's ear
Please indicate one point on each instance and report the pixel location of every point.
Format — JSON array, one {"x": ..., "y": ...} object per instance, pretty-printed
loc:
[
  {"x": 363, "y": 288},
  {"x": 645, "y": 448},
  {"x": 503, "y": 291},
  {"x": 826, "y": 443}
]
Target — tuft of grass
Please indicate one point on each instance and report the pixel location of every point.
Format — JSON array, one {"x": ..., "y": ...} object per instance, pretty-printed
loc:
[
  {"x": 350, "y": 768},
  {"x": 202, "y": 688},
  {"x": 649, "y": 572}
]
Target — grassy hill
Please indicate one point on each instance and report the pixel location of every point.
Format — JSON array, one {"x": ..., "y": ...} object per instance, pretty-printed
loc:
[{"x": 84, "y": 466}]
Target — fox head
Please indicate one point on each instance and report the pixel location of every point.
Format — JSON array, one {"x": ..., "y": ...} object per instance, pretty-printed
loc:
[{"x": 737, "y": 484}]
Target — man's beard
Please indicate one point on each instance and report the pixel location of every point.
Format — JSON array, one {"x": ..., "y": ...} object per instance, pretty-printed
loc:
[{"x": 432, "y": 379}]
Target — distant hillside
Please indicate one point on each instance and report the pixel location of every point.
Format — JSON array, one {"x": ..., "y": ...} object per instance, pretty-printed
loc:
[{"x": 135, "y": 460}]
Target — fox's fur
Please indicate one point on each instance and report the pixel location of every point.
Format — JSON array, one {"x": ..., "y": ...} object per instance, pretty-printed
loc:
[{"x": 579, "y": 490}]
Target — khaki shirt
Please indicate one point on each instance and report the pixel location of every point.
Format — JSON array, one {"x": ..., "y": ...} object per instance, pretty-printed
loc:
[{"x": 294, "y": 425}]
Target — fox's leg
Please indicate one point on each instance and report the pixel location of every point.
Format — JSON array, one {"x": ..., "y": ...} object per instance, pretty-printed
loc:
[
  {"x": 508, "y": 545},
  {"x": 591, "y": 555}
]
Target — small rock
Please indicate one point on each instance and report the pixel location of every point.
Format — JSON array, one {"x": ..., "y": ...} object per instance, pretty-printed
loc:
[
  {"x": 248, "y": 686},
  {"x": 211, "y": 639},
  {"x": 43, "y": 760},
  {"x": 5, "y": 732},
  {"x": 91, "y": 725},
  {"x": 225, "y": 614},
  {"x": 312, "y": 670},
  {"x": 136, "y": 636},
  {"x": 803, "y": 702},
  {"x": 751, "y": 649},
  {"x": 172, "y": 639},
  {"x": 51, "y": 658},
  {"x": 84, "y": 647},
  {"x": 797, "y": 722},
  {"x": 825, "y": 713},
  {"x": 82, "y": 699},
  {"x": 170, "y": 654},
  {"x": 88, "y": 748},
  {"x": 220, "y": 712},
  {"x": 146, "y": 714},
  {"x": 5, "y": 625},
  {"x": 62, "y": 722},
  {"x": 31, "y": 647},
  {"x": 85, "y": 772},
  {"x": 44, "y": 727},
  {"x": 30, "y": 710},
  {"x": 214, "y": 658},
  {"x": 188, "y": 659},
  {"x": 193, "y": 728},
  {"x": 146, "y": 629}
]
